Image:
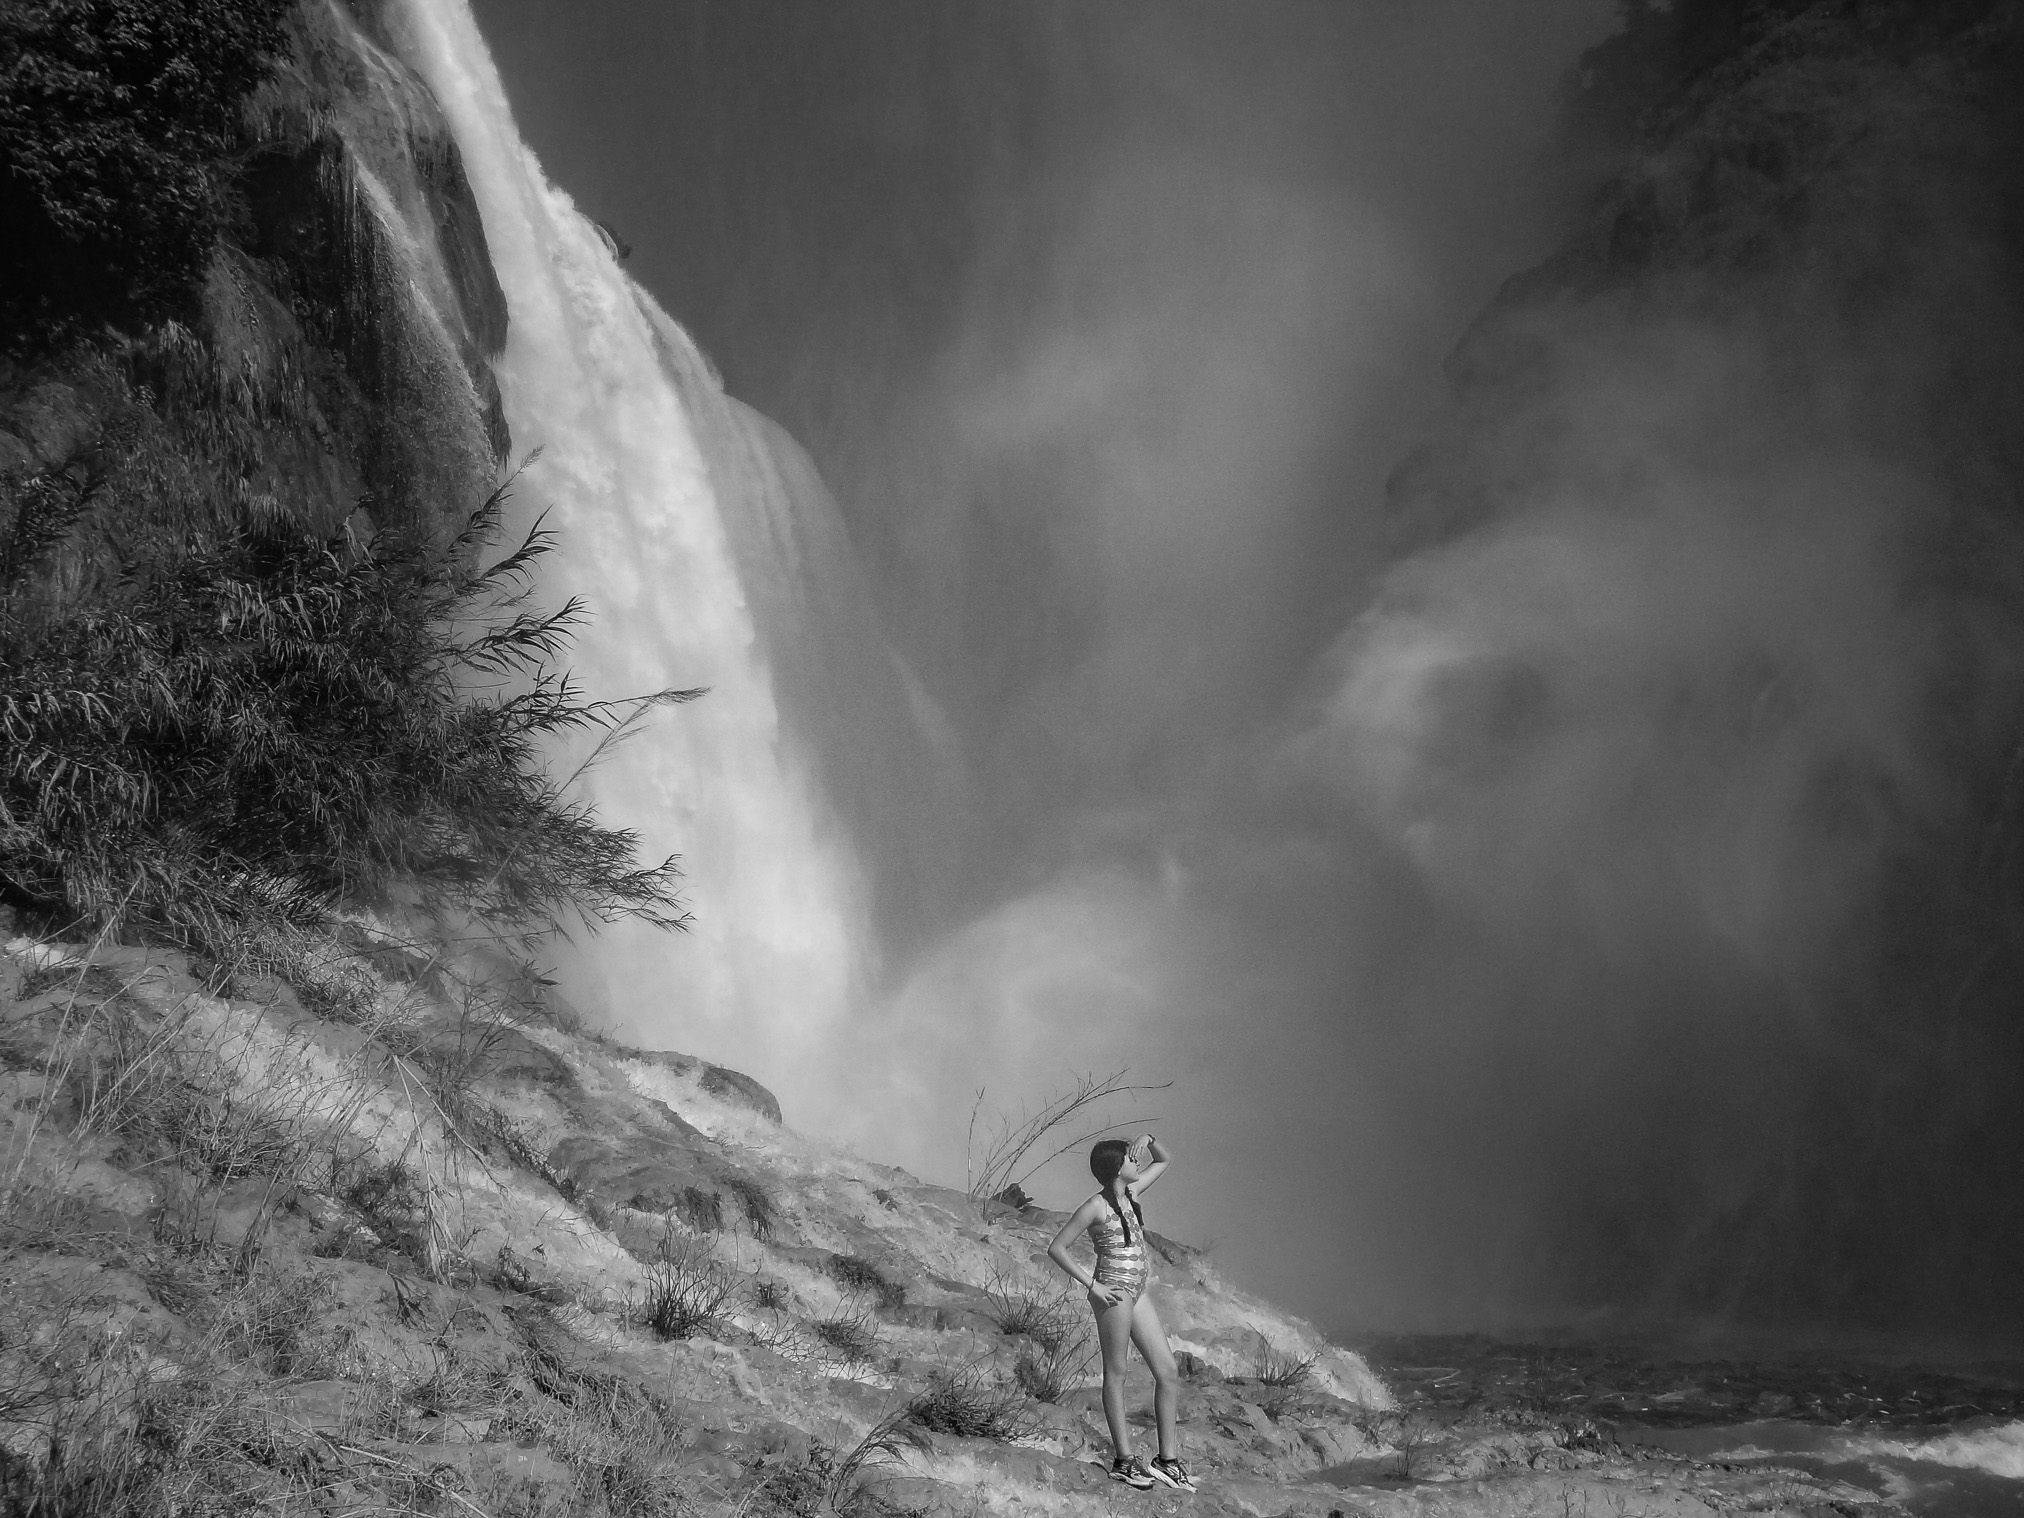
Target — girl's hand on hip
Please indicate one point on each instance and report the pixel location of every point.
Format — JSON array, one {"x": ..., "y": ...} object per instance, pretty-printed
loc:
[{"x": 1110, "y": 1296}]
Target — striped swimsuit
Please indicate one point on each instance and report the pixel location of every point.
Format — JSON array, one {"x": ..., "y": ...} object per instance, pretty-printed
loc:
[{"x": 1119, "y": 1265}]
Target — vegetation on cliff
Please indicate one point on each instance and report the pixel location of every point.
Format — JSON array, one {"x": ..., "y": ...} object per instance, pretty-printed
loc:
[
  {"x": 277, "y": 726},
  {"x": 119, "y": 143},
  {"x": 251, "y": 670}
]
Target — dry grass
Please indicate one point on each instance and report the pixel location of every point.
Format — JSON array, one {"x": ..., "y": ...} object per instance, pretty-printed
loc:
[
  {"x": 823, "y": 1484},
  {"x": 104, "y": 1416},
  {"x": 207, "y": 1093},
  {"x": 967, "y": 1403},
  {"x": 687, "y": 1286},
  {"x": 1273, "y": 1367},
  {"x": 856, "y": 1274},
  {"x": 756, "y": 1198},
  {"x": 1046, "y": 1374},
  {"x": 619, "y": 1442},
  {"x": 1050, "y": 1320},
  {"x": 848, "y": 1333}
]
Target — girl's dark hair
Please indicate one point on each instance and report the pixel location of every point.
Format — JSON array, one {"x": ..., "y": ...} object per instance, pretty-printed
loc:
[{"x": 1105, "y": 1161}]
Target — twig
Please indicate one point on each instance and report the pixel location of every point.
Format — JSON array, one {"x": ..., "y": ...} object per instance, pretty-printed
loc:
[{"x": 1008, "y": 1151}]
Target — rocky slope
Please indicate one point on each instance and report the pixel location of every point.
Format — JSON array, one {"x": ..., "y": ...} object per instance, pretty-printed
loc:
[{"x": 405, "y": 1242}]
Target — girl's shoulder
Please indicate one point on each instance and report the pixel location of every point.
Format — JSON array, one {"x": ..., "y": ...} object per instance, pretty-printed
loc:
[{"x": 1100, "y": 1205}]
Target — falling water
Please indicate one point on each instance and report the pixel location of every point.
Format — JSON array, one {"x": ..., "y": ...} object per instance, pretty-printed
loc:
[{"x": 681, "y": 523}]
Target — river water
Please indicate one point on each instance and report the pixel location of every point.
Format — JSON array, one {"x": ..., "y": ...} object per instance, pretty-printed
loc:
[{"x": 1972, "y": 1470}]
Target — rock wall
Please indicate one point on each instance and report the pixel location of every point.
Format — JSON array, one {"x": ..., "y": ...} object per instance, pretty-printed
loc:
[
  {"x": 1696, "y": 678},
  {"x": 333, "y": 359}
]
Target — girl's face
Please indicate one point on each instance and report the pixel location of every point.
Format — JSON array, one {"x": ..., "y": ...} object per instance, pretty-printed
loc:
[{"x": 1133, "y": 1166}]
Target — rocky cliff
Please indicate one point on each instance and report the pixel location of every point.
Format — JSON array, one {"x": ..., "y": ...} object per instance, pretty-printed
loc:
[{"x": 1695, "y": 677}]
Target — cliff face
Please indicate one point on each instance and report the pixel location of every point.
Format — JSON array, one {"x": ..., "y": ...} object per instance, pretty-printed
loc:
[
  {"x": 1834, "y": 183},
  {"x": 328, "y": 350},
  {"x": 1696, "y": 679}
]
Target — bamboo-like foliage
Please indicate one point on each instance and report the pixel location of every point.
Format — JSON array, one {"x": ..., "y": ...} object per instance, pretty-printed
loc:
[{"x": 259, "y": 730}]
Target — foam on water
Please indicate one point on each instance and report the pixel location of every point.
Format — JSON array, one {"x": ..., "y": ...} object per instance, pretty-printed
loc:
[{"x": 1997, "y": 1449}]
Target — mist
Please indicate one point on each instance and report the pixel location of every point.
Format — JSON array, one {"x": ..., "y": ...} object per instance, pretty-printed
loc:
[{"x": 1530, "y": 810}]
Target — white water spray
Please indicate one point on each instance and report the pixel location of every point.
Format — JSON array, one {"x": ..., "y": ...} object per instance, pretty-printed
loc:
[{"x": 606, "y": 385}]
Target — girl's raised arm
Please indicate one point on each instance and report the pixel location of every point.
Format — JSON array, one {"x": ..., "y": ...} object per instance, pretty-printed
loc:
[{"x": 1148, "y": 1146}]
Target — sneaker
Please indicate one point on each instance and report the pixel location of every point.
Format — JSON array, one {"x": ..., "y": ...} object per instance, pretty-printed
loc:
[
  {"x": 1172, "y": 1472},
  {"x": 1131, "y": 1471}
]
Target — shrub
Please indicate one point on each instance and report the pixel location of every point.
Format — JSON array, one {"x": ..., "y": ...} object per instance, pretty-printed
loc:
[
  {"x": 823, "y": 1484},
  {"x": 110, "y": 1420},
  {"x": 388, "y": 1195},
  {"x": 965, "y": 1403},
  {"x": 250, "y": 734},
  {"x": 849, "y": 1332},
  {"x": 854, "y": 1273},
  {"x": 1049, "y": 1321},
  {"x": 885, "y": 1441},
  {"x": 617, "y": 1439},
  {"x": 119, "y": 126},
  {"x": 1046, "y": 1373},
  {"x": 208, "y": 1098},
  {"x": 1273, "y": 1368},
  {"x": 701, "y": 1210},
  {"x": 687, "y": 1287},
  {"x": 757, "y": 1200},
  {"x": 770, "y": 1295}
]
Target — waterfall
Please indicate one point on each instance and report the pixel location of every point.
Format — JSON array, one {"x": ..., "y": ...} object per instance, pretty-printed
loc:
[{"x": 706, "y": 552}]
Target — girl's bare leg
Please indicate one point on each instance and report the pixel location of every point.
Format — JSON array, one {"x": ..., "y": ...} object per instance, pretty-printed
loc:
[
  {"x": 1151, "y": 1338},
  {"x": 1113, "y": 1337}
]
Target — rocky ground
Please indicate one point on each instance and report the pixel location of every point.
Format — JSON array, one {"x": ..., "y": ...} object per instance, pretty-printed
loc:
[{"x": 404, "y": 1241}]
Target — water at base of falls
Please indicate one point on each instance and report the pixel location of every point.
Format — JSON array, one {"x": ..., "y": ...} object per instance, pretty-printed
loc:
[
  {"x": 1972, "y": 1470},
  {"x": 1939, "y": 1436}
]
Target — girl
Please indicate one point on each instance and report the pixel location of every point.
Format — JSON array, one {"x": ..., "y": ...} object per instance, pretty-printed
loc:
[{"x": 1125, "y": 1315}]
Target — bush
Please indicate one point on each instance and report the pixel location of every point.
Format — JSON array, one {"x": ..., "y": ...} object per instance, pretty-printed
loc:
[
  {"x": 966, "y": 1404},
  {"x": 113, "y": 1421},
  {"x": 1049, "y": 1321},
  {"x": 702, "y": 1211},
  {"x": 246, "y": 736},
  {"x": 618, "y": 1440},
  {"x": 1046, "y": 1372},
  {"x": 387, "y": 1195},
  {"x": 753, "y": 1195},
  {"x": 856, "y": 1274},
  {"x": 687, "y": 1287},
  {"x": 849, "y": 1332},
  {"x": 119, "y": 128},
  {"x": 1273, "y": 1368}
]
